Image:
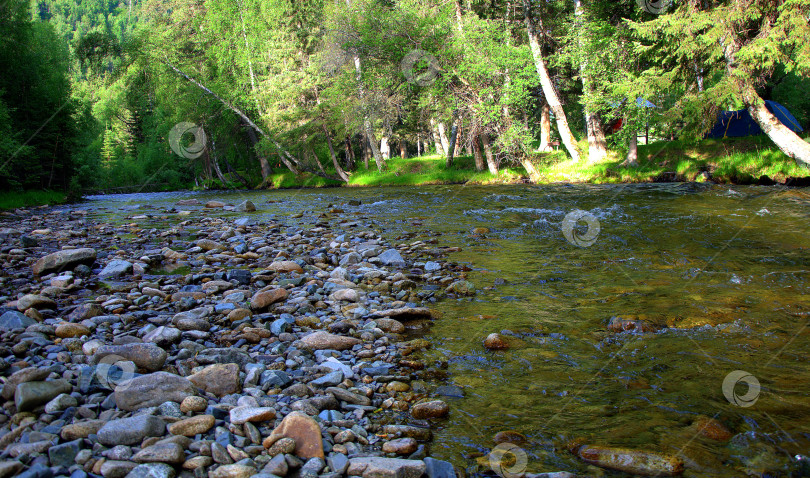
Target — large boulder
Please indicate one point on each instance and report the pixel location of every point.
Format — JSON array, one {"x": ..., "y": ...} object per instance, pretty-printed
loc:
[{"x": 64, "y": 260}]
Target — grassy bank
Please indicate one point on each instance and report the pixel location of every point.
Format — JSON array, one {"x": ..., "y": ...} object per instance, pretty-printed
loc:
[
  {"x": 15, "y": 199},
  {"x": 408, "y": 172},
  {"x": 731, "y": 160}
]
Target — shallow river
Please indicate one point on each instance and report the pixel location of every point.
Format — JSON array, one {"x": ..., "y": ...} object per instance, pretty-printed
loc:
[{"x": 720, "y": 276}]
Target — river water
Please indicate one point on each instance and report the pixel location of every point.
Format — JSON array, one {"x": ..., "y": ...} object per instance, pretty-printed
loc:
[{"x": 718, "y": 275}]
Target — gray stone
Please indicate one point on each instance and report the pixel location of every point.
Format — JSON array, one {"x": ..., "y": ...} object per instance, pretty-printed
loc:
[
  {"x": 329, "y": 380},
  {"x": 115, "y": 269},
  {"x": 163, "y": 336},
  {"x": 152, "y": 390},
  {"x": 276, "y": 378},
  {"x": 64, "y": 260},
  {"x": 431, "y": 266},
  {"x": 277, "y": 466},
  {"x": 166, "y": 452},
  {"x": 28, "y": 374},
  {"x": 246, "y": 206},
  {"x": 378, "y": 467},
  {"x": 144, "y": 355},
  {"x": 60, "y": 403},
  {"x": 279, "y": 326},
  {"x": 116, "y": 468},
  {"x": 350, "y": 259},
  {"x": 131, "y": 431},
  {"x": 338, "y": 462},
  {"x": 223, "y": 355},
  {"x": 349, "y": 397},
  {"x": 392, "y": 257},
  {"x": 152, "y": 470},
  {"x": 64, "y": 454},
  {"x": 312, "y": 468},
  {"x": 439, "y": 469},
  {"x": 14, "y": 320},
  {"x": 29, "y": 395}
]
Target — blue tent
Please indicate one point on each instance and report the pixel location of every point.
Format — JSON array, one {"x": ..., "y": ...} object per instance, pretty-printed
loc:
[{"x": 733, "y": 124}]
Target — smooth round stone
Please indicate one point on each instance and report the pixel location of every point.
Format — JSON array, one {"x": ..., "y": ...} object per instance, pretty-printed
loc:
[
  {"x": 192, "y": 426},
  {"x": 432, "y": 409},
  {"x": 400, "y": 446},
  {"x": 193, "y": 404}
]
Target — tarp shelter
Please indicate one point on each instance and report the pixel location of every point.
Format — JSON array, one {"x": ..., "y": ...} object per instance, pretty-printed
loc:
[{"x": 733, "y": 124}]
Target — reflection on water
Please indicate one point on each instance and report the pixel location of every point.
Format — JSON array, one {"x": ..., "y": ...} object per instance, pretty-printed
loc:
[{"x": 720, "y": 274}]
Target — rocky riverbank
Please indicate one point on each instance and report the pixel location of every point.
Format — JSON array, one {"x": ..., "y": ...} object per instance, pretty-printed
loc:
[{"x": 200, "y": 340}]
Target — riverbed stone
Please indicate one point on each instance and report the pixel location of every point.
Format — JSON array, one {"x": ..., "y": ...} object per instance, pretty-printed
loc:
[
  {"x": 244, "y": 414},
  {"x": 145, "y": 355},
  {"x": 14, "y": 320},
  {"x": 305, "y": 431},
  {"x": 131, "y": 431},
  {"x": 152, "y": 390},
  {"x": 64, "y": 260},
  {"x": 115, "y": 269},
  {"x": 166, "y": 452},
  {"x": 190, "y": 427},
  {"x": 321, "y": 340},
  {"x": 29, "y": 395},
  {"x": 217, "y": 379},
  {"x": 28, "y": 374},
  {"x": 69, "y": 330},
  {"x": 35, "y": 301},
  {"x": 264, "y": 299},
  {"x": 431, "y": 409},
  {"x": 379, "y": 467},
  {"x": 152, "y": 470}
]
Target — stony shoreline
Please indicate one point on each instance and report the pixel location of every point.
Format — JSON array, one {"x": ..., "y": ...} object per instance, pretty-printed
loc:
[{"x": 270, "y": 351}]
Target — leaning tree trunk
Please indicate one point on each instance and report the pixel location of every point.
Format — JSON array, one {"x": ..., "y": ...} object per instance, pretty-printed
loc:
[
  {"x": 785, "y": 139},
  {"x": 254, "y": 141},
  {"x": 545, "y": 82},
  {"x": 491, "y": 164},
  {"x": 335, "y": 162},
  {"x": 545, "y": 129}
]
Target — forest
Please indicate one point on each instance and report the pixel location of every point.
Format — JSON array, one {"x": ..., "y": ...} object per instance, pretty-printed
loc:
[{"x": 109, "y": 96}]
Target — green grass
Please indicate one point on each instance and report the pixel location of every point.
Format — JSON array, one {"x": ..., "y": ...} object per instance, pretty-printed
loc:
[
  {"x": 406, "y": 172},
  {"x": 737, "y": 160},
  {"x": 17, "y": 199}
]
